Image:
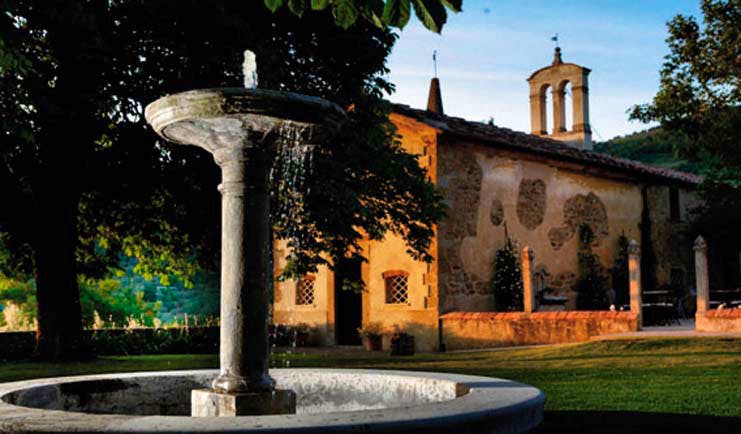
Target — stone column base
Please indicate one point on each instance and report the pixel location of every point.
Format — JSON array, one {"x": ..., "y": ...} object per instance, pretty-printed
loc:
[{"x": 209, "y": 403}]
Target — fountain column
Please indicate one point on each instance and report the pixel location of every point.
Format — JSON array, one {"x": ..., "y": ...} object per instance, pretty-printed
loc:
[{"x": 243, "y": 386}]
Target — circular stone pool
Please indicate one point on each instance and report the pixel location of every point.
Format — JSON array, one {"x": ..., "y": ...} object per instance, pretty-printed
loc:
[{"x": 328, "y": 400}]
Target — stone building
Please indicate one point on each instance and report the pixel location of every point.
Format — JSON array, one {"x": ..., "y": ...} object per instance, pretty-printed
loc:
[{"x": 540, "y": 186}]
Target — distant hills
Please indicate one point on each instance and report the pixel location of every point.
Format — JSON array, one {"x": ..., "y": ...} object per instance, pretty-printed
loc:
[{"x": 653, "y": 146}]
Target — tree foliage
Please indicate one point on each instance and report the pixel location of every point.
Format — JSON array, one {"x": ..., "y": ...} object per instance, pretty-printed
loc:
[
  {"x": 89, "y": 179},
  {"x": 620, "y": 273},
  {"x": 382, "y": 13},
  {"x": 507, "y": 282},
  {"x": 699, "y": 97},
  {"x": 655, "y": 146}
]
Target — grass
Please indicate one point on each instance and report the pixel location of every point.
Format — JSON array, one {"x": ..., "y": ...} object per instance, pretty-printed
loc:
[{"x": 698, "y": 376}]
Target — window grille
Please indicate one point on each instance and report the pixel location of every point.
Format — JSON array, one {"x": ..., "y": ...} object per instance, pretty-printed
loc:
[
  {"x": 305, "y": 291},
  {"x": 397, "y": 287}
]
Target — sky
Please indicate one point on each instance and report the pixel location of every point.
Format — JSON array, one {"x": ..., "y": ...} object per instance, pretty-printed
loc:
[{"x": 486, "y": 53}]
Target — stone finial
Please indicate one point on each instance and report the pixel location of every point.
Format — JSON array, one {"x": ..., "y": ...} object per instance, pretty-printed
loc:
[
  {"x": 249, "y": 69},
  {"x": 634, "y": 248},
  {"x": 435, "y": 99},
  {"x": 557, "y": 56},
  {"x": 700, "y": 244}
]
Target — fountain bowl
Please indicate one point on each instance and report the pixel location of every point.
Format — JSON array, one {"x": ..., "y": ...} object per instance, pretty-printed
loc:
[
  {"x": 221, "y": 117},
  {"x": 329, "y": 400}
]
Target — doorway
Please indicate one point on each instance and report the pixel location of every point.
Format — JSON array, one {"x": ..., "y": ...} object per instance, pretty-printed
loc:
[{"x": 348, "y": 304}]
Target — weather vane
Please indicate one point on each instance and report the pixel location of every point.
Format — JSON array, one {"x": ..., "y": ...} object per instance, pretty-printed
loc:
[
  {"x": 554, "y": 38},
  {"x": 434, "y": 61}
]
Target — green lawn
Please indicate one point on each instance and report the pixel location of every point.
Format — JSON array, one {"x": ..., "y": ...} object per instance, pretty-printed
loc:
[{"x": 691, "y": 376}]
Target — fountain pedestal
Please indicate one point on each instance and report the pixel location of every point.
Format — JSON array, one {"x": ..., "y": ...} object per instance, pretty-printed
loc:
[
  {"x": 240, "y": 128},
  {"x": 209, "y": 403}
]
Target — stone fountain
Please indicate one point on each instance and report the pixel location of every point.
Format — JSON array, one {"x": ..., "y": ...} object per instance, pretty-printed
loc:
[
  {"x": 244, "y": 129},
  {"x": 248, "y": 131}
]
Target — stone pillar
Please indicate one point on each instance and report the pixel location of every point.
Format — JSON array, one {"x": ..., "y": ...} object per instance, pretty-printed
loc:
[
  {"x": 538, "y": 117},
  {"x": 559, "y": 110},
  {"x": 528, "y": 289},
  {"x": 702, "y": 278},
  {"x": 245, "y": 260},
  {"x": 243, "y": 386},
  {"x": 634, "y": 274}
]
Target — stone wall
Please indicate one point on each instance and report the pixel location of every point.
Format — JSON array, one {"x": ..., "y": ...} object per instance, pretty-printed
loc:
[
  {"x": 542, "y": 206},
  {"x": 468, "y": 330},
  {"x": 671, "y": 239},
  {"x": 719, "y": 321}
]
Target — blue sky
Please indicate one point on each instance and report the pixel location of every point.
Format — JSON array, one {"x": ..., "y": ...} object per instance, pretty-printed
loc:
[{"x": 486, "y": 53}]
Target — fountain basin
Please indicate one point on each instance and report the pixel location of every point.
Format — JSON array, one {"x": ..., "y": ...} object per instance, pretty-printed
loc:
[
  {"x": 328, "y": 400},
  {"x": 223, "y": 117}
]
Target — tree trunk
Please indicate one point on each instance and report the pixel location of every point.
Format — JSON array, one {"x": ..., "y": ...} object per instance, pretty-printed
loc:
[
  {"x": 59, "y": 333},
  {"x": 69, "y": 114}
]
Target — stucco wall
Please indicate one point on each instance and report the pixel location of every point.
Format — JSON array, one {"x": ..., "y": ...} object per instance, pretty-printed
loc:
[
  {"x": 420, "y": 316},
  {"x": 319, "y": 315},
  {"x": 719, "y": 321},
  {"x": 542, "y": 206},
  {"x": 467, "y": 330}
]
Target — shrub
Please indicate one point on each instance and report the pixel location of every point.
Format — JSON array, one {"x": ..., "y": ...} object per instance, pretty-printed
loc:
[
  {"x": 591, "y": 288},
  {"x": 506, "y": 286},
  {"x": 620, "y": 274}
]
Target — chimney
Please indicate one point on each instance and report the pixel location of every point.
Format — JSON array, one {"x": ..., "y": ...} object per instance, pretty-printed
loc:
[
  {"x": 557, "y": 60},
  {"x": 434, "y": 99}
]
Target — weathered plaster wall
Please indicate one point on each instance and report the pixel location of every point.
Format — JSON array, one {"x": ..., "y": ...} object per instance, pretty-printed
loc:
[
  {"x": 285, "y": 311},
  {"x": 420, "y": 316},
  {"x": 542, "y": 206},
  {"x": 671, "y": 240},
  {"x": 466, "y": 330}
]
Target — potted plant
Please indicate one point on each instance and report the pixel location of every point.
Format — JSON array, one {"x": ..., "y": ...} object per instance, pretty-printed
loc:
[
  {"x": 402, "y": 343},
  {"x": 372, "y": 335},
  {"x": 302, "y": 332}
]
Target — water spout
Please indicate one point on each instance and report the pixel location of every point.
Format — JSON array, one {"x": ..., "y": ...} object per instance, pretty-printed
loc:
[{"x": 249, "y": 69}]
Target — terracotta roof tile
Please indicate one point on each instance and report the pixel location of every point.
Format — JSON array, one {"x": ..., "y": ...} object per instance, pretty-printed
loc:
[{"x": 504, "y": 137}]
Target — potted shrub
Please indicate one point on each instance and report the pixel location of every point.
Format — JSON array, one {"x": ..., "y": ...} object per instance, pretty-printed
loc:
[
  {"x": 402, "y": 344},
  {"x": 302, "y": 332},
  {"x": 372, "y": 335}
]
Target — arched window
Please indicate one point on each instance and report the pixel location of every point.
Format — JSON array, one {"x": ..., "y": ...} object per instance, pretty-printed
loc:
[
  {"x": 397, "y": 286},
  {"x": 305, "y": 294}
]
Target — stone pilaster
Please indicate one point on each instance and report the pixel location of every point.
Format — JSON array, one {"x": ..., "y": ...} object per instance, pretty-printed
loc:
[
  {"x": 528, "y": 289},
  {"x": 634, "y": 275},
  {"x": 702, "y": 278}
]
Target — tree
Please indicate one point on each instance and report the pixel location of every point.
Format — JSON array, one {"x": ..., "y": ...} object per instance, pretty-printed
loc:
[
  {"x": 388, "y": 13},
  {"x": 620, "y": 273},
  {"x": 699, "y": 97},
  {"x": 507, "y": 282},
  {"x": 89, "y": 179},
  {"x": 591, "y": 288}
]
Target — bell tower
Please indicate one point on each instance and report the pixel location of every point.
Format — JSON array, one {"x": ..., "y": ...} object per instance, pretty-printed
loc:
[{"x": 555, "y": 78}]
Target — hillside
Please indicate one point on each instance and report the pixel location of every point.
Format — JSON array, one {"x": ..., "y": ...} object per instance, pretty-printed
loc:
[{"x": 653, "y": 146}]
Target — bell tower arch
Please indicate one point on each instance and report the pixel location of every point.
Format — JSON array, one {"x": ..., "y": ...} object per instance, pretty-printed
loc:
[{"x": 555, "y": 78}]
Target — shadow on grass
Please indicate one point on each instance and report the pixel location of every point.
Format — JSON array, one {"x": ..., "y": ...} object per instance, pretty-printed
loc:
[{"x": 629, "y": 422}]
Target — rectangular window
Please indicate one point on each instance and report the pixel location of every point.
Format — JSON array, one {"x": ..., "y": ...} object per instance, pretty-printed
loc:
[
  {"x": 674, "y": 214},
  {"x": 305, "y": 291},
  {"x": 397, "y": 287}
]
